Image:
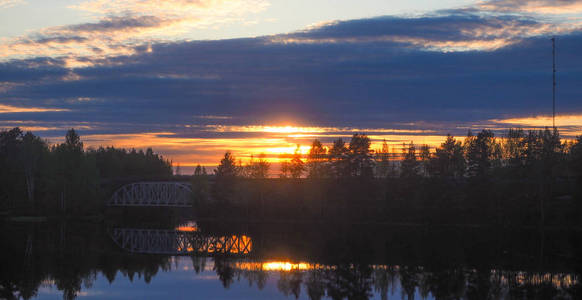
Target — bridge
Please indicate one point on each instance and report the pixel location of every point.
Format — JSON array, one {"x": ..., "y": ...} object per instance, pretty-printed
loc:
[
  {"x": 176, "y": 194},
  {"x": 176, "y": 242}
]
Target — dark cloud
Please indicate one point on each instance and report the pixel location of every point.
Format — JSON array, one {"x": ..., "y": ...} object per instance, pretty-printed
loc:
[
  {"x": 27, "y": 71},
  {"x": 117, "y": 23},
  {"x": 455, "y": 26},
  {"x": 56, "y": 39},
  {"x": 351, "y": 78}
]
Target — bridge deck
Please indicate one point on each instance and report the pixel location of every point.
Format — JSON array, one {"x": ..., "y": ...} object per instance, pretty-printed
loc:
[{"x": 173, "y": 194}]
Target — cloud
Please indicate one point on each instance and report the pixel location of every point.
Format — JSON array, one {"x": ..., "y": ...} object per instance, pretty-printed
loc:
[
  {"x": 393, "y": 77},
  {"x": 11, "y": 3},
  {"x": 124, "y": 28},
  {"x": 9, "y": 109},
  {"x": 364, "y": 84},
  {"x": 570, "y": 124},
  {"x": 130, "y": 27},
  {"x": 111, "y": 36},
  {"x": 448, "y": 33},
  {"x": 534, "y": 6}
]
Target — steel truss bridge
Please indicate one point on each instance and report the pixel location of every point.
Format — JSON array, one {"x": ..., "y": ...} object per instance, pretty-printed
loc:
[
  {"x": 175, "y": 242},
  {"x": 176, "y": 194}
]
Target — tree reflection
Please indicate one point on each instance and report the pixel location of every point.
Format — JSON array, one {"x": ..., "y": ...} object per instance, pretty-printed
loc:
[
  {"x": 289, "y": 283},
  {"x": 351, "y": 269}
]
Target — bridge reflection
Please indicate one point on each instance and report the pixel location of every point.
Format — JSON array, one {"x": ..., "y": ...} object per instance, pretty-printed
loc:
[{"x": 180, "y": 242}]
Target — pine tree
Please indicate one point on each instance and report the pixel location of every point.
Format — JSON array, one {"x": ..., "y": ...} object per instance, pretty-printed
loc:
[
  {"x": 409, "y": 165},
  {"x": 338, "y": 158},
  {"x": 316, "y": 160},
  {"x": 297, "y": 166},
  {"x": 360, "y": 156}
]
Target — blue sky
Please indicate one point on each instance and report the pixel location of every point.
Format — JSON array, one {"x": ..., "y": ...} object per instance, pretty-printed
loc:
[{"x": 194, "y": 78}]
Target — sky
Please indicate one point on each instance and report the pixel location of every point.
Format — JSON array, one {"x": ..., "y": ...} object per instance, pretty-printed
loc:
[{"x": 194, "y": 78}]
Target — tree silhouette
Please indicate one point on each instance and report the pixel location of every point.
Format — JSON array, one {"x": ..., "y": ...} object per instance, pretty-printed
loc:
[
  {"x": 448, "y": 160},
  {"x": 425, "y": 157},
  {"x": 576, "y": 160},
  {"x": 383, "y": 161},
  {"x": 259, "y": 168},
  {"x": 296, "y": 166},
  {"x": 409, "y": 165},
  {"x": 227, "y": 167},
  {"x": 33, "y": 149},
  {"x": 360, "y": 156},
  {"x": 198, "y": 170},
  {"x": 316, "y": 160},
  {"x": 226, "y": 173},
  {"x": 284, "y": 169},
  {"x": 482, "y": 153},
  {"x": 338, "y": 157}
]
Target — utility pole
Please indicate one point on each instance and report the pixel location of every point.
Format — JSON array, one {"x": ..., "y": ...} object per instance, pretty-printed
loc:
[{"x": 554, "y": 82}]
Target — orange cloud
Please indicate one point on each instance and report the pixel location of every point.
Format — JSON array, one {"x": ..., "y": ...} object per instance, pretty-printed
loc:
[
  {"x": 534, "y": 6},
  {"x": 8, "y": 109},
  {"x": 569, "y": 125}
]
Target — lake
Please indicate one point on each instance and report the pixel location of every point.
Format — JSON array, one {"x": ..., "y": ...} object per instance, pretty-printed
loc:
[{"x": 179, "y": 258}]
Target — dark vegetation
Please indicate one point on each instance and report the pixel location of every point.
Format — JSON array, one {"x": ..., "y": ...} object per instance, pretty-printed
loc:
[
  {"x": 65, "y": 179},
  {"x": 522, "y": 179}
]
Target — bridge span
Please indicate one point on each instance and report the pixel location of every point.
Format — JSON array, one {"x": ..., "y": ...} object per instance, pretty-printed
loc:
[
  {"x": 176, "y": 242},
  {"x": 159, "y": 193}
]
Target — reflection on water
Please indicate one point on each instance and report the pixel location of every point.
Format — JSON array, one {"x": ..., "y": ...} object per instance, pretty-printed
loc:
[
  {"x": 68, "y": 260},
  {"x": 178, "y": 242},
  {"x": 189, "y": 226}
]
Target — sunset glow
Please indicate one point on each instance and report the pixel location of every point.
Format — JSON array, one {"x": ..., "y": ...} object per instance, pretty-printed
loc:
[
  {"x": 544, "y": 121},
  {"x": 290, "y": 149},
  {"x": 189, "y": 227},
  {"x": 7, "y": 109},
  {"x": 569, "y": 125},
  {"x": 279, "y": 266},
  {"x": 276, "y": 143}
]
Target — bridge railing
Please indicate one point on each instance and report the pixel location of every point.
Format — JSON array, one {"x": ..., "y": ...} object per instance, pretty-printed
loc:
[{"x": 176, "y": 194}]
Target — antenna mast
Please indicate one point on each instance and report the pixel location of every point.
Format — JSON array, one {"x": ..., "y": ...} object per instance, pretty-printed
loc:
[{"x": 554, "y": 82}]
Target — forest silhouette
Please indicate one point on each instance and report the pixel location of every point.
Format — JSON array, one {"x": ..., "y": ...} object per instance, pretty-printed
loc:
[
  {"x": 521, "y": 178},
  {"x": 43, "y": 179}
]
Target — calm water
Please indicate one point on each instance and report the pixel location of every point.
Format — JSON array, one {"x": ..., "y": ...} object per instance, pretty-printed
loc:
[{"x": 221, "y": 260}]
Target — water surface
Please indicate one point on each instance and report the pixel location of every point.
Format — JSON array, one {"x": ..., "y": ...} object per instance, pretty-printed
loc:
[{"x": 222, "y": 260}]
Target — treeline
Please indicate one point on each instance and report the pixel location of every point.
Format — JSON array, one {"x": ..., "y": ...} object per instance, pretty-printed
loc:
[
  {"x": 524, "y": 153},
  {"x": 518, "y": 178},
  {"x": 40, "y": 178},
  {"x": 521, "y": 153}
]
